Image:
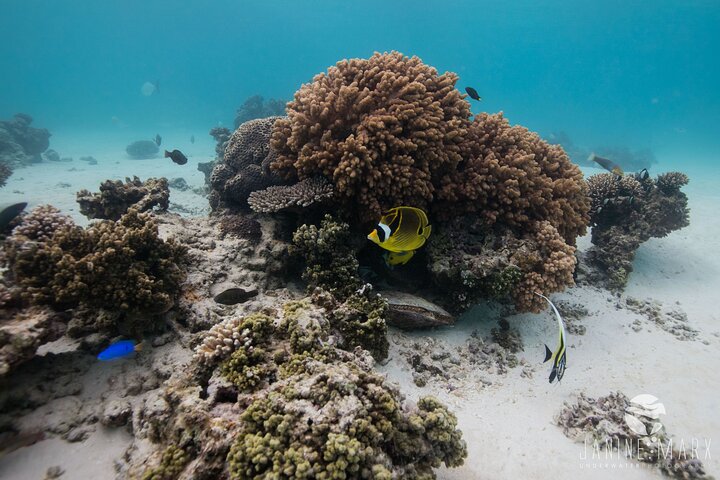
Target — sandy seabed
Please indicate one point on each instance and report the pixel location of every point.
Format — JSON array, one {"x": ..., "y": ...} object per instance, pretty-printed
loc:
[{"x": 507, "y": 418}]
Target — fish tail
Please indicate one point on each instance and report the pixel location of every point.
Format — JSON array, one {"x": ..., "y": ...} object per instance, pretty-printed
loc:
[
  {"x": 167, "y": 154},
  {"x": 139, "y": 347}
]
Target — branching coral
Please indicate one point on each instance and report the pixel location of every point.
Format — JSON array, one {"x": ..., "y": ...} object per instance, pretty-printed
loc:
[
  {"x": 627, "y": 212},
  {"x": 245, "y": 165},
  {"x": 116, "y": 197},
  {"x": 41, "y": 224},
  {"x": 307, "y": 192},
  {"x": 385, "y": 130},
  {"x": 120, "y": 265},
  {"x": 514, "y": 178}
]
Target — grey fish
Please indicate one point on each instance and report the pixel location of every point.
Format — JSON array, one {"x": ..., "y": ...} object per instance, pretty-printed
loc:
[
  {"x": 192, "y": 138},
  {"x": 9, "y": 212},
  {"x": 607, "y": 164},
  {"x": 158, "y": 139}
]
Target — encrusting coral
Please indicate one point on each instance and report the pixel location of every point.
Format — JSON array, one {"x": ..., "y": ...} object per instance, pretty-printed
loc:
[
  {"x": 120, "y": 266},
  {"x": 307, "y": 409},
  {"x": 241, "y": 226},
  {"x": 384, "y": 130},
  {"x": 626, "y": 212},
  {"x": 245, "y": 165},
  {"x": 604, "y": 422},
  {"x": 116, "y": 197}
]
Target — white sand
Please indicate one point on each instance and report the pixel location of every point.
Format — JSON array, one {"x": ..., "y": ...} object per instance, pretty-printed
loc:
[{"x": 508, "y": 425}]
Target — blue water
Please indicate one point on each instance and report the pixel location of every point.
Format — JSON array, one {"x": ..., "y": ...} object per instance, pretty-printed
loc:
[{"x": 631, "y": 73}]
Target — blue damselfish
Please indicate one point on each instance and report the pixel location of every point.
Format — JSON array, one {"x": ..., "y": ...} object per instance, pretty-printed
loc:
[{"x": 119, "y": 349}]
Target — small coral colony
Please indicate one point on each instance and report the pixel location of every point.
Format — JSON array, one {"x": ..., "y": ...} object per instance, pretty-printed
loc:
[{"x": 377, "y": 177}]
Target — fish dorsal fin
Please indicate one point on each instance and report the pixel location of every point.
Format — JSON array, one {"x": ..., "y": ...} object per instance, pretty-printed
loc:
[{"x": 548, "y": 354}]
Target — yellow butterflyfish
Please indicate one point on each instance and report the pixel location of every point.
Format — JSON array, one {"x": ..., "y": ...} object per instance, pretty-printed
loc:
[{"x": 401, "y": 229}]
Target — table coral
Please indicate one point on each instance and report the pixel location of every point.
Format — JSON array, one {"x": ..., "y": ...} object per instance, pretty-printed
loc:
[
  {"x": 627, "y": 212},
  {"x": 300, "y": 195},
  {"x": 116, "y": 197},
  {"x": 385, "y": 130},
  {"x": 121, "y": 265}
]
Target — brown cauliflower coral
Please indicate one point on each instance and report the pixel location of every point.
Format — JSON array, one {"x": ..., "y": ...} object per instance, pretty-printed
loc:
[{"x": 383, "y": 129}]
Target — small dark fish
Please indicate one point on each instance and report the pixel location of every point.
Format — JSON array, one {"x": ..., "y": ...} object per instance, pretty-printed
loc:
[
  {"x": 158, "y": 139},
  {"x": 8, "y": 213},
  {"x": 607, "y": 164},
  {"x": 176, "y": 156},
  {"x": 642, "y": 175},
  {"x": 473, "y": 93},
  {"x": 192, "y": 138}
]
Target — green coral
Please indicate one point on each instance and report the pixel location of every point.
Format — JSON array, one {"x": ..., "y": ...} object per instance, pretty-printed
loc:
[
  {"x": 361, "y": 322},
  {"x": 322, "y": 413},
  {"x": 337, "y": 420},
  {"x": 247, "y": 369},
  {"x": 330, "y": 262},
  {"x": 172, "y": 463}
]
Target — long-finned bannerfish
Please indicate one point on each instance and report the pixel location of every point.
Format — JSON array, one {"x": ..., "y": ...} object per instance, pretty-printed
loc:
[{"x": 558, "y": 357}]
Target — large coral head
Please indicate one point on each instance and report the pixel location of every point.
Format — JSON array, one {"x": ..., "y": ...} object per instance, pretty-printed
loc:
[{"x": 385, "y": 130}]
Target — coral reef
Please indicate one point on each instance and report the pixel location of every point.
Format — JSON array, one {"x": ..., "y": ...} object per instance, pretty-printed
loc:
[
  {"x": 603, "y": 421},
  {"x": 21, "y": 144},
  {"x": 514, "y": 178},
  {"x": 306, "y": 409},
  {"x": 142, "y": 149},
  {"x": 120, "y": 266},
  {"x": 222, "y": 136},
  {"x": 245, "y": 165},
  {"x": 22, "y": 331},
  {"x": 41, "y": 224},
  {"x": 116, "y": 197},
  {"x": 330, "y": 261},
  {"x": 384, "y": 130},
  {"x": 628, "y": 211},
  {"x": 257, "y": 107},
  {"x": 469, "y": 261},
  {"x": 300, "y": 195},
  {"x": 331, "y": 272},
  {"x": 241, "y": 226}
]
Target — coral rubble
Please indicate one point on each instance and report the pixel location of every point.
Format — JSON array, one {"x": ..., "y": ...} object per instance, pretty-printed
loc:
[
  {"x": 629, "y": 210},
  {"x": 604, "y": 422},
  {"x": 116, "y": 197}
]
